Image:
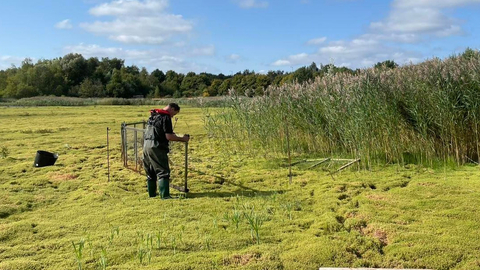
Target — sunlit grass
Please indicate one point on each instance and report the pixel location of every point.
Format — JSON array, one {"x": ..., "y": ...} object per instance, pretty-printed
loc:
[{"x": 391, "y": 217}]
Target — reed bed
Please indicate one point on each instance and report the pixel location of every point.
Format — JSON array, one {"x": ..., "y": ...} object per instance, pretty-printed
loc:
[
  {"x": 426, "y": 113},
  {"x": 75, "y": 101}
]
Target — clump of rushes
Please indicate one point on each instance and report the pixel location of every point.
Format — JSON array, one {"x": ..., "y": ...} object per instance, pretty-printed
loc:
[
  {"x": 159, "y": 237},
  {"x": 174, "y": 244},
  {"x": 102, "y": 262},
  {"x": 425, "y": 113},
  {"x": 235, "y": 218},
  {"x": 144, "y": 254},
  {"x": 288, "y": 206},
  {"x": 78, "y": 249},
  {"x": 114, "y": 230},
  {"x": 255, "y": 221},
  {"x": 207, "y": 242},
  {"x": 144, "y": 250},
  {"x": 4, "y": 152}
]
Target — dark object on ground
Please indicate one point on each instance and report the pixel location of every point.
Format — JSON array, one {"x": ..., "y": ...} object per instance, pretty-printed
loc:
[
  {"x": 181, "y": 189},
  {"x": 45, "y": 158}
]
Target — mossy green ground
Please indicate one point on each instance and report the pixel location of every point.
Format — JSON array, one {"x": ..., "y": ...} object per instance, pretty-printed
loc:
[{"x": 409, "y": 217}]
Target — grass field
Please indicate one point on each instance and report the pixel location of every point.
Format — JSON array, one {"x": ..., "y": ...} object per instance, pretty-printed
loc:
[{"x": 241, "y": 212}]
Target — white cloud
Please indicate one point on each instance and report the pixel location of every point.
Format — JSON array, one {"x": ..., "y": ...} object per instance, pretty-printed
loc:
[
  {"x": 419, "y": 19},
  {"x": 6, "y": 61},
  {"x": 316, "y": 41},
  {"x": 65, "y": 24},
  {"x": 281, "y": 62},
  {"x": 138, "y": 22},
  {"x": 130, "y": 8},
  {"x": 408, "y": 22},
  {"x": 233, "y": 58},
  {"x": 299, "y": 57},
  {"x": 203, "y": 51},
  {"x": 251, "y": 3},
  {"x": 432, "y": 3},
  {"x": 356, "y": 53}
]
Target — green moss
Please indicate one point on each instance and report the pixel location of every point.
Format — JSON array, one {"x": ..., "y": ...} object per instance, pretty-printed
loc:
[{"x": 387, "y": 217}]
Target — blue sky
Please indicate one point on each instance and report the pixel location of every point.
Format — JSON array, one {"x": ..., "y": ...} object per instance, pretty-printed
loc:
[{"x": 227, "y": 36}]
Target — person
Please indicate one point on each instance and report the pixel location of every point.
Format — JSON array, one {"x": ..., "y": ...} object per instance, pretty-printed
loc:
[{"x": 158, "y": 134}]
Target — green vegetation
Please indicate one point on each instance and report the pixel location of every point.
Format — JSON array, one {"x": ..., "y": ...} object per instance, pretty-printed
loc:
[
  {"x": 241, "y": 212},
  {"x": 75, "y": 101},
  {"x": 75, "y": 76},
  {"x": 418, "y": 114}
]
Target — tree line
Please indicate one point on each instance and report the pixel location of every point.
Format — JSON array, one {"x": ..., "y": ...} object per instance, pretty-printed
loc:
[{"x": 75, "y": 76}]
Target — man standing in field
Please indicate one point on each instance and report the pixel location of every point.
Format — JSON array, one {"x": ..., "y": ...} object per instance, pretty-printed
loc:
[{"x": 158, "y": 133}]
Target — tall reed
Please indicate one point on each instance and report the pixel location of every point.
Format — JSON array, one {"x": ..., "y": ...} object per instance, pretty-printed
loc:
[{"x": 421, "y": 113}]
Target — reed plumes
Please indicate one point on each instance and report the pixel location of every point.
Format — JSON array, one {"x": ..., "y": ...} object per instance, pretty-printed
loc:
[{"x": 421, "y": 113}]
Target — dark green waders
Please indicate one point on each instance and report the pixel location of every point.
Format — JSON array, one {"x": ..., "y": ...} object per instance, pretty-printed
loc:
[
  {"x": 155, "y": 163},
  {"x": 164, "y": 188}
]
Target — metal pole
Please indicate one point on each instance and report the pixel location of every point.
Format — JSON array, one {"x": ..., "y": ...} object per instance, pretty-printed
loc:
[
  {"x": 123, "y": 141},
  {"x": 289, "y": 156},
  {"x": 136, "y": 149},
  {"x": 126, "y": 147},
  {"x": 186, "y": 166},
  {"x": 108, "y": 155}
]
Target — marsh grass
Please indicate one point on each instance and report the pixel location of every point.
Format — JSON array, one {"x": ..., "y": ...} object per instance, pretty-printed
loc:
[
  {"x": 426, "y": 114},
  {"x": 74, "y": 101},
  {"x": 389, "y": 217}
]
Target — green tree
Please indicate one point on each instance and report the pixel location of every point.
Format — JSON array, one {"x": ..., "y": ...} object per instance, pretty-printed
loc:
[
  {"x": 224, "y": 87},
  {"x": 114, "y": 87},
  {"x": 213, "y": 89},
  {"x": 263, "y": 81},
  {"x": 388, "y": 64},
  {"x": 89, "y": 88},
  {"x": 74, "y": 68}
]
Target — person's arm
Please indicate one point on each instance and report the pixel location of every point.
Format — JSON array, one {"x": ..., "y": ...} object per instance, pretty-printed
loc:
[{"x": 174, "y": 137}]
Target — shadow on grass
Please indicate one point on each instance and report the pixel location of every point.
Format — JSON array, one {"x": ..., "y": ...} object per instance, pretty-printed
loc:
[
  {"x": 239, "y": 192},
  {"x": 242, "y": 190}
]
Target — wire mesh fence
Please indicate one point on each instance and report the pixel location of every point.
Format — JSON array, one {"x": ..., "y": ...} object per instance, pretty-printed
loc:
[{"x": 132, "y": 151}]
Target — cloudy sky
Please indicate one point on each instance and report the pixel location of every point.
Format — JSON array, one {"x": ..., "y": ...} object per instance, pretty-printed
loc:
[{"x": 226, "y": 36}]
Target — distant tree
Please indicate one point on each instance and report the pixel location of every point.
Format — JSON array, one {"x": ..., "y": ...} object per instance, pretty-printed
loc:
[
  {"x": 171, "y": 84},
  {"x": 224, "y": 87},
  {"x": 146, "y": 85},
  {"x": 158, "y": 75},
  {"x": 157, "y": 92},
  {"x": 304, "y": 74},
  {"x": 213, "y": 89},
  {"x": 104, "y": 70},
  {"x": 3, "y": 81},
  {"x": 74, "y": 68},
  {"x": 114, "y": 87},
  {"x": 313, "y": 68},
  {"x": 388, "y": 64},
  {"x": 89, "y": 88},
  {"x": 263, "y": 81},
  {"x": 132, "y": 70}
]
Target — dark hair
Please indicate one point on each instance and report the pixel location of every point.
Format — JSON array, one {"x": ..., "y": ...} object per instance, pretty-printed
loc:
[{"x": 174, "y": 106}]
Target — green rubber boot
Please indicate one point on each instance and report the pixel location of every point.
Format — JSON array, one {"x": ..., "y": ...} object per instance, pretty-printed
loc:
[
  {"x": 152, "y": 188},
  {"x": 164, "y": 188}
]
